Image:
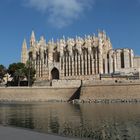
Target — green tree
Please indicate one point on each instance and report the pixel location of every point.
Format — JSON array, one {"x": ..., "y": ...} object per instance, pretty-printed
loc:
[
  {"x": 29, "y": 72},
  {"x": 14, "y": 67},
  {"x": 16, "y": 70},
  {"x": 2, "y": 71},
  {"x": 19, "y": 75},
  {"x": 19, "y": 71}
]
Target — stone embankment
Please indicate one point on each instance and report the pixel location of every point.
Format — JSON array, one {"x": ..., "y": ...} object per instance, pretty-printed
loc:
[
  {"x": 111, "y": 91},
  {"x": 89, "y": 92},
  {"x": 35, "y": 94}
]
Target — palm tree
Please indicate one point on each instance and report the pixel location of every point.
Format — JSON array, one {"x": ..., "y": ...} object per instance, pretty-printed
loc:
[
  {"x": 19, "y": 75},
  {"x": 19, "y": 71},
  {"x": 29, "y": 72}
]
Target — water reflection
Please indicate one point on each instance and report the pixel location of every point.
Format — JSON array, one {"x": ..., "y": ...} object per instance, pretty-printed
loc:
[{"x": 96, "y": 121}]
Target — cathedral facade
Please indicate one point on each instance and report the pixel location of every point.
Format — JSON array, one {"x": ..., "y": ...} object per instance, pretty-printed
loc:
[{"x": 76, "y": 59}]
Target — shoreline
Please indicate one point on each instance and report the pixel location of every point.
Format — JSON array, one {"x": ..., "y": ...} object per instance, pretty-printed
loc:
[
  {"x": 13, "y": 133},
  {"x": 76, "y": 101}
]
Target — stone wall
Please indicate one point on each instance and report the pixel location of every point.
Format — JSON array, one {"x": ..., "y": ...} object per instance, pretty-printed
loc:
[
  {"x": 36, "y": 94},
  {"x": 66, "y": 83},
  {"x": 91, "y": 90},
  {"x": 136, "y": 62},
  {"x": 111, "y": 91}
]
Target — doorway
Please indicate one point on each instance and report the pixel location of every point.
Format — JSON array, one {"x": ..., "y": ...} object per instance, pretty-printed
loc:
[{"x": 55, "y": 73}]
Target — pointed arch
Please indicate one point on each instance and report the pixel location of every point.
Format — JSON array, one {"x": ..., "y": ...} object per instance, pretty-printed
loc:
[{"x": 55, "y": 73}]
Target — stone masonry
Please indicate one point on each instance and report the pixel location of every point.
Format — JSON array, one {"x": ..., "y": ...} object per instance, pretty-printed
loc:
[{"x": 77, "y": 59}]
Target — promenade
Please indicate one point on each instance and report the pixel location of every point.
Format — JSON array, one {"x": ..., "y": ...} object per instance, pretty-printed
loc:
[{"x": 9, "y": 133}]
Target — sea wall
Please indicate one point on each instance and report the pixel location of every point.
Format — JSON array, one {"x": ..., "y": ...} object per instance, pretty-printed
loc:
[
  {"x": 36, "y": 94},
  {"x": 110, "y": 91},
  {"x": 89, "y": 91}
]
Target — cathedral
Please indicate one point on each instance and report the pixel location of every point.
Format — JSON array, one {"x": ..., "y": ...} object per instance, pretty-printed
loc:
[{"x": 78, "y": 58}]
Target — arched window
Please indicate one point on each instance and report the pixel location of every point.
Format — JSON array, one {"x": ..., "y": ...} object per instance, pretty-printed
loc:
[
  {"x": 56, "y": 56},
  {"x": 122, "y": 59}
]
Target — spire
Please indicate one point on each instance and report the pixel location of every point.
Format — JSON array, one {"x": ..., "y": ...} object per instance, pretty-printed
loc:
[
  {"x": 32, "y": 40},
  {"x": 24, "y": 53},
  {"x": 24, "y": 46},
  {"x": 63, "y": 37},
  {"x": 33, "y": 35},
  {"x": 52, "y": 40}
]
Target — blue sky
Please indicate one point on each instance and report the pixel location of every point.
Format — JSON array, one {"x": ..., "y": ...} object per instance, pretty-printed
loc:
[{"x": 55, "y": 18}]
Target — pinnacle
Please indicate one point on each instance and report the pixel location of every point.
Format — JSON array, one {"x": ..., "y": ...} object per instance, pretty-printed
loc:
[
  {"x": 33, "y": 35},
  {"x": 24, "y": 44}
]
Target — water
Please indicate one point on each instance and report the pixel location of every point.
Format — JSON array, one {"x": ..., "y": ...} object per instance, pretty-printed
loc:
[{"x": 94, "y": 121}]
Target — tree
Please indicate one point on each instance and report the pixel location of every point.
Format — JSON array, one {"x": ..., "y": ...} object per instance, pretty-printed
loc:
[
  {"x": 2, "y": 71},
  {"x": 16, "y": 70},
  {"x": 14, "y": 67},
  {"x": 19, "y": 75},
  {"x": 29, "y": 72},
  {"x": 19, "y": 71}
]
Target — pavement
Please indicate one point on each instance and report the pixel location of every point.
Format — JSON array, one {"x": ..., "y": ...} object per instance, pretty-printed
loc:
[{"x": 9, "y": 133}]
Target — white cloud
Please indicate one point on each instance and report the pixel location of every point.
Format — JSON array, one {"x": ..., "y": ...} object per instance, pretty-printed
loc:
[{"x": 61, "y": 12}]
